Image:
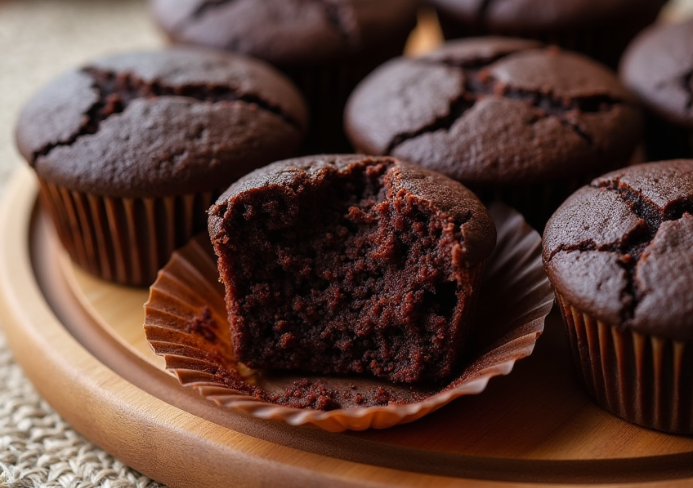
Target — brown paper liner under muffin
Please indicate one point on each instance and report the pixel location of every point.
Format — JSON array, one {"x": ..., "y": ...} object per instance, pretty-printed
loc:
[
  {"x": 186, "y": 323},
  {"x": 603, "y": 43},
  {"x": 646, "y": 380},
  {"x": 125, "y": 240}
]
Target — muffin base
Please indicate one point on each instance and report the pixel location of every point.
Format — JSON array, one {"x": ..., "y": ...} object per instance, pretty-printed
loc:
[
  {"x": 125, "y": 240},
  {"x": 326, "y": 89},
  {"x": 536, "y": 202},
  {"x": 646, "y": 380},
  {"x": 664, "y": 140}
]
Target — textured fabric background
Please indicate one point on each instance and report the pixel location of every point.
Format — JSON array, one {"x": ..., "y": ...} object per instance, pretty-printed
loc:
[
  {"x": 38, "y": 449},
  {"x": 38, "y": 40}
]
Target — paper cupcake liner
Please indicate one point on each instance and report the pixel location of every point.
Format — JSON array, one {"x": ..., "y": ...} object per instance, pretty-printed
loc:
[
  {"x": 326, "y": 89},
  {"x": 646, "y": 380},
  {"x": 605, "y": 43},
  {"x": 125, "y": 240},
  {"x": 186, "y": 323},
  {"x": 538, "y": 202},
  {"x": 535, "y": 202}
]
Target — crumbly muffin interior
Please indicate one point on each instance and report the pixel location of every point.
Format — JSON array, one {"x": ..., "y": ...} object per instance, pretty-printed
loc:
[{"x": 344, "y": 274}]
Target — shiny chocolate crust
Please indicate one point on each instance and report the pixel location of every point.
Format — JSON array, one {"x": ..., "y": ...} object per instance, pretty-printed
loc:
[
  {"x": 497, "y": 112},
  {"x": 350, "y": 264},
  {"x": 621, "y": 249},
  {"x": 151, "y": 124}
]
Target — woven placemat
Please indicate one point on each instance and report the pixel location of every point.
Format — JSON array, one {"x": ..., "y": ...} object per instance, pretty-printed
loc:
[
  {"x": 39, "y": 449},
  {"x": 38, "y": 40}
]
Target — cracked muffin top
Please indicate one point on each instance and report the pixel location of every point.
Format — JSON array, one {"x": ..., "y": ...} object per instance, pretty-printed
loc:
[
  {"x": 340, "y": 264},
  {"x": 546, "y": 14},
  {"x": 447, "y": 196},
  {"x": 160, "y": 123},
  {"x": 658, "y": 67},
  {"x": 621, "y": 249},
  {"x": 286, "y": 32},
  {"x": 494, "y": 111}
]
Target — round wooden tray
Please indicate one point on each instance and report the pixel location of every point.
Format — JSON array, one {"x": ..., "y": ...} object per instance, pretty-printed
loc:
[{"x": 80, "y": 341}]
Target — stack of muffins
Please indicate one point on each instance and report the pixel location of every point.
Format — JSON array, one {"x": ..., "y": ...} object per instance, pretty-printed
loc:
[{"x": 369, "y": 264}]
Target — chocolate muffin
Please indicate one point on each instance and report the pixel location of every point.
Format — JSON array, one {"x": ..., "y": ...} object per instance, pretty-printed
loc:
[
  {"x": 350, "y": 264},
  {"x": 600, "y": 29},
  {"x": 619, "y": 254},
  {"x": 325, "y": 46},
  {"x": 658, "y": 67},
  {"x": 503, "y": 116},
  {"x": 131, "y": 149}
]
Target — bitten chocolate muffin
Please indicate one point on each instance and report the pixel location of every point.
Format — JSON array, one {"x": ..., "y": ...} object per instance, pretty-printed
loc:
[
  {"x": 599, "y": 28},
  {"x": 619, "y": 254},
  {"x": 131, "y": 149},
  {"x": 350, "y": 264},
  {"x": 501, "y": 116},
  {"x": 325, "y": 46},
  {"x": 658, "y": 68}
]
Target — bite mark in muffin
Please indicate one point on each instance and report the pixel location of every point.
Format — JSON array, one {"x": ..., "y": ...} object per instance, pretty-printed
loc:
[{"x": 351, "y": 265}]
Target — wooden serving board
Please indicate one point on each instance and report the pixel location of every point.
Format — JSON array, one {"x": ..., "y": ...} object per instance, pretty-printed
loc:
[{"x": 80, "y": 341}]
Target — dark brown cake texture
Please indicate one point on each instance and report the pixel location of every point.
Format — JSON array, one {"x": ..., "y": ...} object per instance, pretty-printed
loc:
[
  {"x": 325, "y": 46},
  {"x": 600, "y": 29},
  {"x": 502, "y": 116},
  {"x": 619, "y": 254},
  {"x": 658, "y": 68},
  {"x": 350, "y": 264},
  {"x": 132, "y": 149}
]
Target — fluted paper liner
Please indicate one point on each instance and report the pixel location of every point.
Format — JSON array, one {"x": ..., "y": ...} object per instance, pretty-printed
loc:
[
  {"x": 644, "y": 379},
  {"x": 186, "y": 323},
  {"x": 538, "y": 202},
  {"x": 326, "y": 88},
  {"x": 126, "y": 240}
]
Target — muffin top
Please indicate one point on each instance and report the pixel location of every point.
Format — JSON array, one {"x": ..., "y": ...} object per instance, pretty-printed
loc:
[
  {"x": 160, "y": 123},
  {"x": 546, "y": 14},
  {"x": 286, "y": 32},
  {"x": 621, "y": 249},
  {"x": 443, "y": 194},
  {"x": 491, "y": 111},
  {"x": 657, "y": 67}
]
